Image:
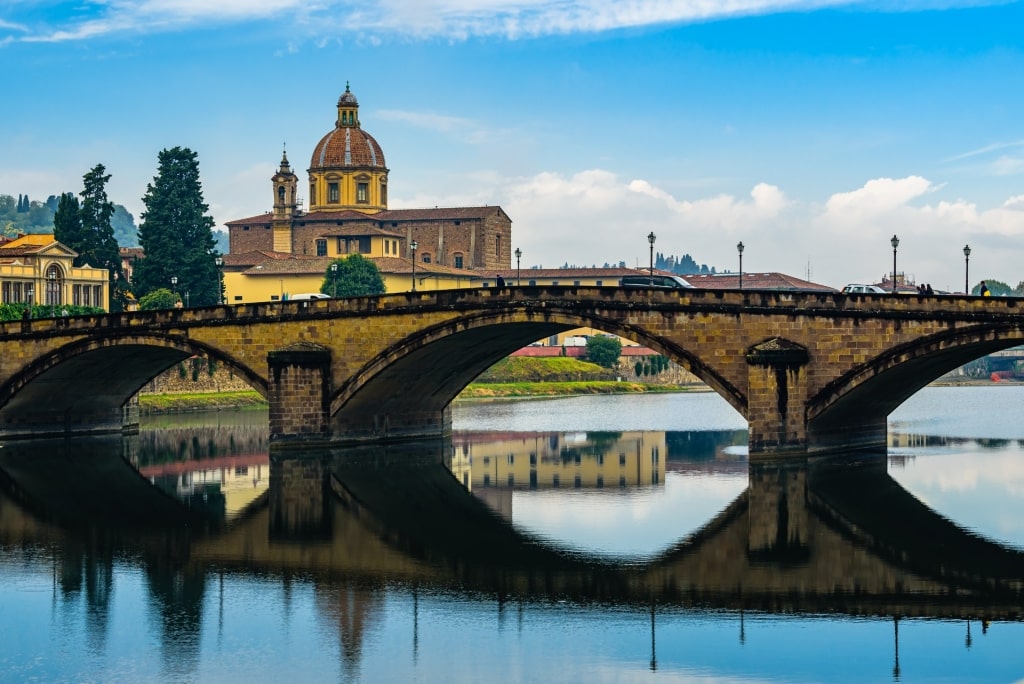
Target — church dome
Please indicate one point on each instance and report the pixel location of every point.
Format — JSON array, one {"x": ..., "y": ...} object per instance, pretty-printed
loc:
[{"x": 348, "y": 146}]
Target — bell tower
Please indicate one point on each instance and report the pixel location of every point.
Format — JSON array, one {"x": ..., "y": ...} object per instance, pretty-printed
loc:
[{"x": 286, "y": 186}]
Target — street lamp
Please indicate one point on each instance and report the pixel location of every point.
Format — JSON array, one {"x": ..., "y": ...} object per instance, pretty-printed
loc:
[
  {"x": 519, "y": 255},
  {"x": 650, "y": 239},
  {"x": 334, "y": 280},
  {"x": 895, "y": 242},
  {"x": 739, "y": 248},
  {"x": 967, "y": 263},
  {"x": 174, "y": 290},
  {"x": 413, "y": 245},
  {"x": 220, "y": 280},
  {"x": 52, "y": 294}
]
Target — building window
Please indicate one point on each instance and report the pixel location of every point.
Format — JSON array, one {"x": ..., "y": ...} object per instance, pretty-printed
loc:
[
  {"x": 333, "y": 196},
  {"x": 458, "y": 261},
  {"x": 312, "y": 193},
  {"x": 576, "y": 283},
  {"x": 321, "y": 247},
  {"x": 387, "y": 246},
  {"x": 280, "y": 194},
  {"x": 511, "y": 459},
  {"x": 532, "y": 283},
  {"x": 341, "y": 246},
  {"x": 362, "y": 193},
  {"x": 599, "y": 283},
  {"x": 384, "y": 193},
  {"x": 622, "y": 459},
  {"x": 426, "y": 257},
  {"x": 238, "y": 298},
  {"x": 364, "y": 245},
  {"x": 555, "y": 481},
  {"x": 487, "y": 480}
]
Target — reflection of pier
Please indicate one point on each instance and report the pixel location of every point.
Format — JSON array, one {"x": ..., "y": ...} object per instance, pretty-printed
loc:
[{"x": 800, "y": 538}]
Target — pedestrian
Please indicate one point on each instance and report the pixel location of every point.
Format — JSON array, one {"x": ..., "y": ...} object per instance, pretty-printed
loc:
[
  {"x": 928, "y": 289},
  {"x": 984, "y": 290},
  {"x": 501, "y": 282}
]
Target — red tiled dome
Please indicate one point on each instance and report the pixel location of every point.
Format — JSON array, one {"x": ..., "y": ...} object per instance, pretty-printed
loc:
[{"x": 347, "y": 147}]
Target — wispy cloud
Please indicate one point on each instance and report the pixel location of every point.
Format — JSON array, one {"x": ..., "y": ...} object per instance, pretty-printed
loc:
[
  {"x": 446, "y": 19},
  {"x": 987, "y": 149}
]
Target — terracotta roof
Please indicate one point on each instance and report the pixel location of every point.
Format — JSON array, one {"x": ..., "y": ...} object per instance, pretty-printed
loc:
[
  {"x": 347, "y": 147},
  {"x": 255, "y": 257},
  {"x": 754, "y": 281},
  {"x": 572, "y": 273},
  {"x": 435, "y": 214},
  {"x": 300, "y": 266},
  {"x": 399, "y": 265}
]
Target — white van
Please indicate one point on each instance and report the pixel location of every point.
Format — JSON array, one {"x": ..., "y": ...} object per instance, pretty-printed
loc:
[{"x": 308, "y": 295}]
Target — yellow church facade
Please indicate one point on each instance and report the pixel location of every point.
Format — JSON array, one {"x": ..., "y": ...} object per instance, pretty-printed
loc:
[{"x": 38, "y": 270}]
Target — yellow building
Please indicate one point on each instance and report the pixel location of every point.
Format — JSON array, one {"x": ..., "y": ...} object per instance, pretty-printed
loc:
[
  {"x": 276, "y": 276},
  {"x": 38, "y": 270}
]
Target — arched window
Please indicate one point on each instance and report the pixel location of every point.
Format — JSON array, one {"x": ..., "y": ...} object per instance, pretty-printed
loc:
[
  {"x": 280, "y": 194},
  {"x": 54, "y": 285}
]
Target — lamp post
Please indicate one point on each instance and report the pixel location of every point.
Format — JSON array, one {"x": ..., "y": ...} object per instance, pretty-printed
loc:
[
  {"x": 413, "y": 245},
  {"x": 334, "y": 280},
  {"x": 220, "y": 280},
  {"x": 967, "y": 264},
  {"x": 739, "y": 248},
  {"x": 52, "y": 294},
  {"x": 29, "y": 293},
  {"x": 895, "y": 242},
  {"x": 519, "y": 255},
  {"x": 650, "y": 239}
]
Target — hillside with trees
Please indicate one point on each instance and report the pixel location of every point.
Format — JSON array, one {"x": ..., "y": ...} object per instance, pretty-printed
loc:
[{"x": 25, "y": 215}]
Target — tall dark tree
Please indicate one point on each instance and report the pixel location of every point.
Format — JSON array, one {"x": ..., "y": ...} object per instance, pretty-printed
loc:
[
  {"x": 67, "y": 221},
  {"x": 97, "y": 246},
  {"x": 177, "y": 234}
]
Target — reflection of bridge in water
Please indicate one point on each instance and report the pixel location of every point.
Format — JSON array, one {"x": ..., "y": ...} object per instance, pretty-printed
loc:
[{"x": 801, "y": 538}]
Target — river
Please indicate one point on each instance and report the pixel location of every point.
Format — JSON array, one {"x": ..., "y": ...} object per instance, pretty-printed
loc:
[{"x": 581, "y": 539}]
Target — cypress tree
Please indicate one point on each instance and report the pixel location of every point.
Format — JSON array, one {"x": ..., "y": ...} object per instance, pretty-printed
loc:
[
  {"x": 97, "y": 246},
  {"x": 67, "y": 221},
  {"x": 177, "y": 234}
]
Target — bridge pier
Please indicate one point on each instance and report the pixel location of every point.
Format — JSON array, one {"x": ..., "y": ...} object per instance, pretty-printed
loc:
[
  {"x": 777, "y": 393},
  {"x": 298, "y": 391}
]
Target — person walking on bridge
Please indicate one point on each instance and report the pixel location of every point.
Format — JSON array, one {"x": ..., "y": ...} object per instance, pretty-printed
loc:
[{"x": 984, "y": 290}]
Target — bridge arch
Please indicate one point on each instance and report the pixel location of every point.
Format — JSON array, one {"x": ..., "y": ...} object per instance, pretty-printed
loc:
[
  {"x": 435, "y": 363},
  {"x": 863, "y": 397},
  {"x": 85, "y": 384}
]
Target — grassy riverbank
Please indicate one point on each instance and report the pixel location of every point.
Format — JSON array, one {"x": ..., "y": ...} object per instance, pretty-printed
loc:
[{"x": 511, "y": 377}]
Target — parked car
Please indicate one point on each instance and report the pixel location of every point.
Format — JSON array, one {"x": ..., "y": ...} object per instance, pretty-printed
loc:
[
  {"x": 863, "y": 289},
  {"x": 657, "y": 282},
  {"x": 309, "y": 295}
]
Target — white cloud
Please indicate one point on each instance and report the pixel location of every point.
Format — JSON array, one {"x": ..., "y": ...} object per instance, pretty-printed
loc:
[
  {"x": 451, "y": 19},
  {"x": 594, "y": 217}
]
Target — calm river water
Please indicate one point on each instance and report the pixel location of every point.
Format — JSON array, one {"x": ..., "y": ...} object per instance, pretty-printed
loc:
[{"x": 584, "y": 539}]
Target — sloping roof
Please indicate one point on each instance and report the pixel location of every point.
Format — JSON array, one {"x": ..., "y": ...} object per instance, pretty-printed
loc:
[
  {"x": 398, "y": 265},
  {"x": 297, "y": 266},
  {"x": 435, "y": 214},
  {"x": 755, "y": 281},
  {"x": 36, "y": 243}
]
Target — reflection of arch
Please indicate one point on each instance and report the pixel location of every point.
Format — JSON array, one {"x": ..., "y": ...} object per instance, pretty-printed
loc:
[{"x": 54, "y": 285}]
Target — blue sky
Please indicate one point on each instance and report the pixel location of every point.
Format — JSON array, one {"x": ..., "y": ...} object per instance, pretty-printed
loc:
[{"x": 812, "y": 130}]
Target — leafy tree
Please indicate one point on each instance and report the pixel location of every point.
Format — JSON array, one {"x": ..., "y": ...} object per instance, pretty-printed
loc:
[
  {"x": 177, "y": 233},
  {"x": 604, "y": 351},
  {"x": 159, "y": 299},
  {"x": 997, "y": 288},
  {"x": 354, "y": 277}
]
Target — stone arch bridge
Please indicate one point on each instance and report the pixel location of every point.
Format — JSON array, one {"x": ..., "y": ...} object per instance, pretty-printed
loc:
[{"x": 809, "y": 371}]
